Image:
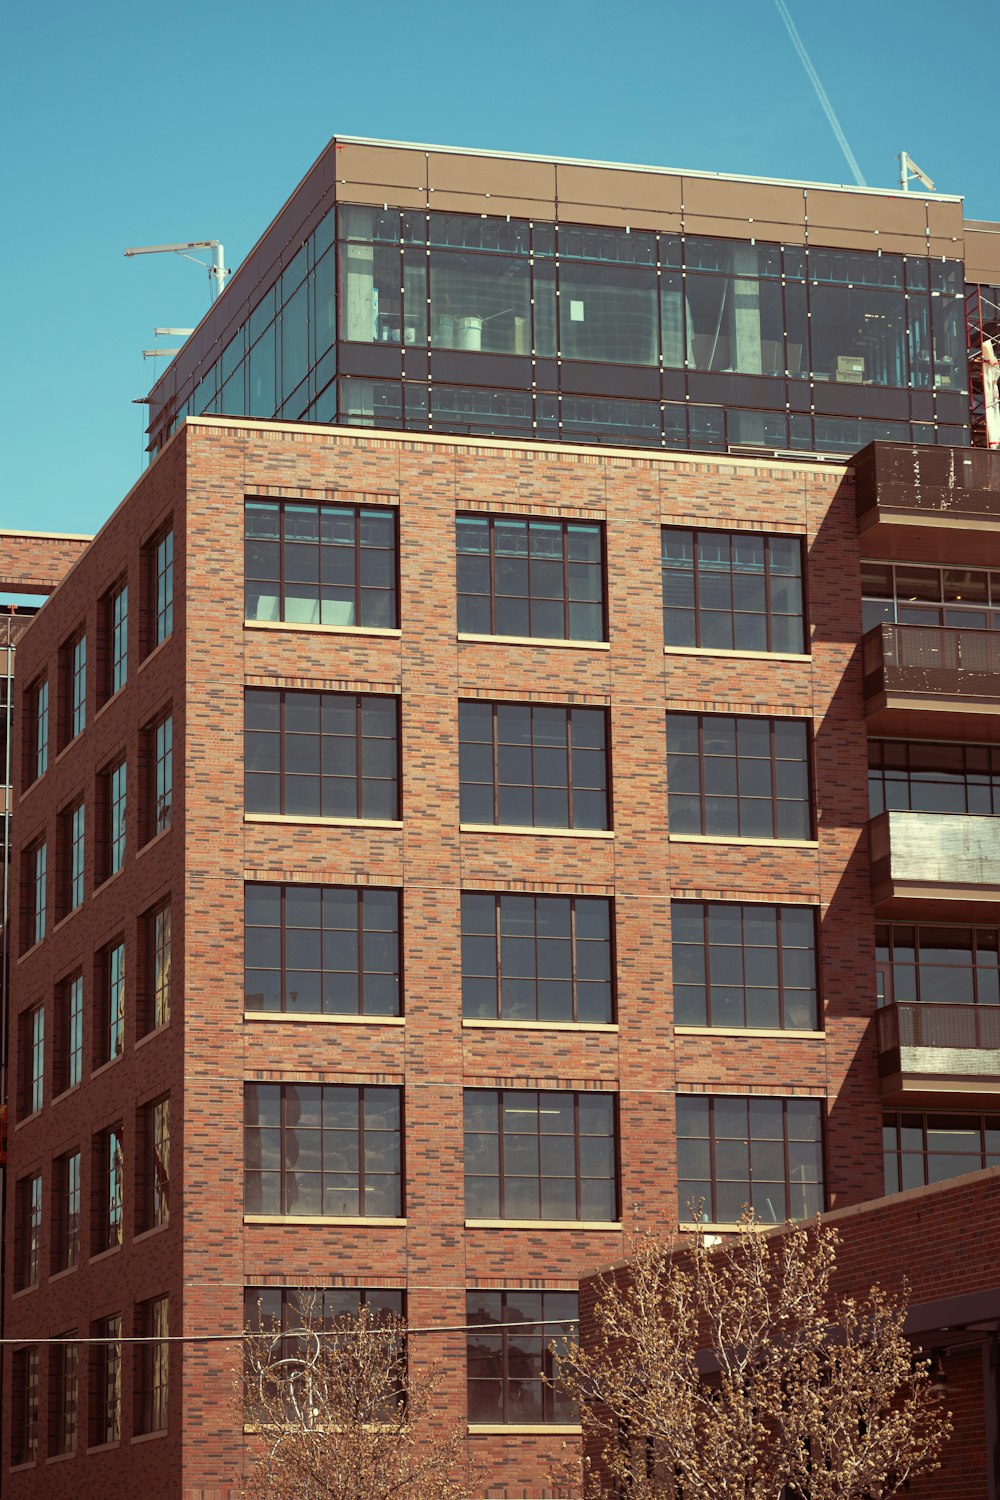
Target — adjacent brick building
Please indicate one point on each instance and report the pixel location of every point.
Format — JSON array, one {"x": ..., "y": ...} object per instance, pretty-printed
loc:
[{"x": 436, "y": 851}]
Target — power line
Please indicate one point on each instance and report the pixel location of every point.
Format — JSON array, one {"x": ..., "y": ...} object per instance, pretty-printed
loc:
[
  {"x": 821, "y": 93},
  {"x": 231, "y": 1338}
]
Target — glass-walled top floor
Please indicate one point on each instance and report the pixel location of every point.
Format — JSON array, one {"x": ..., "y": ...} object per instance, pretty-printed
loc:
[{"x": 456, "y": 322}]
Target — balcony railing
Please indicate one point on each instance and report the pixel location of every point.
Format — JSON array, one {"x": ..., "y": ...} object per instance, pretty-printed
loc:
[
  {"x": 961, "y": 1041},
  {"x": 957, "y": 484},
  {"x": 931, "y": 660},
  {"x": 934, "y": 849}
]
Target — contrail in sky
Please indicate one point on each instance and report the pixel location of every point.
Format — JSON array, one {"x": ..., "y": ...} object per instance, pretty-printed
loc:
[{"x": 821, "y": 93}]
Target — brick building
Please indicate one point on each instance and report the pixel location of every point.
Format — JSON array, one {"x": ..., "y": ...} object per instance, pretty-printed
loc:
[{"x": 443, "y": 788}]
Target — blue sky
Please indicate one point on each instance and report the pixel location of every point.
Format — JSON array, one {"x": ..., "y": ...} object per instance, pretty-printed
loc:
[{"x": 130, "y": 125}]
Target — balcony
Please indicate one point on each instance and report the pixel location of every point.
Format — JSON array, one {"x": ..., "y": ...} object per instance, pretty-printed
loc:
[
  {"x": 912, "y": 671},
  {"x": 928, "y": 504},
  {"x": 935, "y": 1049},
  {"x": 925, "y": 864}
]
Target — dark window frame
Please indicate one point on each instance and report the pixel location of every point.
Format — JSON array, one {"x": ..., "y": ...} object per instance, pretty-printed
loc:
[
  {"x": 154, "y": 1131},
  {"x": 484, "y": 1339},
  {"x": 714, "y": 1140},
  {"x": 24, "y": 1406},
  {"x": 111, "y": 974},
  {"x": 984, "y": 938},
  {"x": 980, "y": 768},
  {"x": 157, "y": 950},
  {"x": 361, "y": 589},
  {"x": 151, "y": 1365},
  {"x": 326, "y": 975},
  {"x": 115, "y": 643},
  {"x": 73, "y": 856},
  {"x": 567, "y": 786},
  {"x": 68, "y": 1051},
  {"x": 64, "y": 1395},
  {"x": 281, "y": 775},
  {"x": 356, "y": 1131},
  {"x": 502, "y": 1174},
  {"x": 927, "y": 1121},
  {"x": 35, "y": 888},
  {"x": 736, "y": 798},
  {"x": 785, "y": 993},
  {"x": 67, "y": 1206},
  {"x": 32, "y": 1061},
  {"x": 107, "y": 1191},
  {"x": 74, "y": 670},
  {"x": 576, "y": 904},
  {"x": 531, "y": 598},
  {"x": 105, "y": 1383},
  {"x": 37, "y": 699},
  {"x": 160, "y": 585},
  {"x": 28, "y": 1215},
  {"x": 158, "y": 738},
  {"x": 768, "y": 613},
  {"x": 113, "y": 782}
]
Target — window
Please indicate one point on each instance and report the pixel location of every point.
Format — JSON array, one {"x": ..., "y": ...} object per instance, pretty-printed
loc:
[
  {"x": 27, "y": 1231},
  {"x": 113, "y": 807},
  {"x": 323, "y": 1150},
  {"x": 743, "y": 965},
  {"x": 531, "y": 1154},
  {"x": 325, "y": 755},
  {"x": 536, "y": 958},
  {"x": 911, "y": 594},
  {"x": 109, "y": 1171},
  {"x": 732, "y": 590},
  {"x": 930, "y": 965},
  {"x": 738, "y": 777},
  {"x": 75, "y": 677},
  {"x": 922, "y": 1148},
  {"x": 157, "y": 934},
  {"x": 64, "y": 1390},
  {"x": 321, "y": 564},
  {"x": 66, "y": 1212},
  {"x": 38, "y": 731},
  {"x": 116, "y": 628},
  {"x": 159, "y": 739},
  {"x": 73, "y": 831},
  {"x": 32, "y": 1089},
  {"x": 161, "y": 586},
  {"x": 106, "y": 1381},
  {"x": 24, "y": 1407},
  {"x": 110, "y": 1038},
  {"x": 152, "y": 1365},
  {"x": 533, "y": 766},
  {"x": 734, "y": 1152},
  {"x": 530, "y": 578},
  {"x": 155, "y": 1128},
  {"x": 322, "y": 950},
  {"x": 510, "y": 1357},
  {"x": 923, "y": 777},
  {"x": 36, "y": 893},
  {"x": 272, "y": 1309},
  {"x": 68, "y": 1055}
]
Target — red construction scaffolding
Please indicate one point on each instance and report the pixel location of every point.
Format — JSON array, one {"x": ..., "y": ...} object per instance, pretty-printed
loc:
[{"x": 982, "y": 321}]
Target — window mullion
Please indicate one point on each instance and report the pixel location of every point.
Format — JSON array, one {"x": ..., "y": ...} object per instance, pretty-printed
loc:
[
  {"x": 357, "y": 553},
  {"x": 574, "y": 1006},
  {"x": 360, "y": 928},
  {"x": 493, "y": 578},
  {"x": 501, "y": 1154},
  {"x": 569, "y": 769},
  {"x": 495, "y": 735},
  {"x": 498, "y": 939},
  {"x": 361, "y": 1149},
  {"x": 358, "y": 754}
]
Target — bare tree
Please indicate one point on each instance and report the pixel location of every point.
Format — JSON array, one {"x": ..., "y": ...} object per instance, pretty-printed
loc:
[
  {"x": 337, "y": 1414},
  {"x": 735, "y": 1371}
]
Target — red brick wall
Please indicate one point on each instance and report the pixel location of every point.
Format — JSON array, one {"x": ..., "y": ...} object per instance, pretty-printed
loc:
[
  {"x": 33, "y": 562},
  {"x": 209, "y": 1049}
]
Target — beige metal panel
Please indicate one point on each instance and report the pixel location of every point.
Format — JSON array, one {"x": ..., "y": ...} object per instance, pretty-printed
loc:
[
  {"x": 944, "y": 220},
  {"x": 385, "y": 164},
  {"x": 950, "y": 249},
  {"x": 635, "y": 218},
  {"x": 502, "y": 178},
  {"x": 904, "y": 214},
  {"x": 744, "y": 200},
  {"x": 374, "y": 194},
  {"x": 482, "y": 203},
  {"x": 613, "y": 187},
  {"x": 900, "y": 244},
  {"x": 742, "y": 229},
  {"x": 823, "y": 237},
  {"x": 982, "y": 253}
]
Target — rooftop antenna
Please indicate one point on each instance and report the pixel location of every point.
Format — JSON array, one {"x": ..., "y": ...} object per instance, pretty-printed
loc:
[
  {"x": 821, "y": 93},
  {"x": 907, "y": 169},
  {"x": 216, "y": 267}
]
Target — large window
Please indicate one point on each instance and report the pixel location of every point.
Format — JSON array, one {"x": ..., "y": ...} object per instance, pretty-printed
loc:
[
  {"x": 735, "y": 777},
  {"x": 27, "y": 1231},
  {"x": 742, "y": 965},
  {"x": 161, "y": 586},
  {"x": 109, "y": 1178},
  {"x": 38, "y": 730},
  {"x": 537, "y": 958},
  {"x": 156, "y": 982},
  {"x": 116, "y": 640},
  {"x": 106, "y": 1381},
  {"x": 924, "y": 1148},
  {"x": 113, "y": 807},
  {"x": 931, "y": 965},
  {"x": 66, "y": 1212},
  {"x": 937, "y": 778},
  {"x": 328, "y": 1151},
  {"x": 322, "y": 950},
  {"x": 68, "y": 1058},
  {"x": 531, "y": 765},
  {"x": 24, "y": 1406},
  {"x": 110, "y": 1037},
  {"x": 916, "y": 594},
  {"x": 273, "y": 1309},
  {"x": 32, "y": 1060},
  {"x": 530, "y": 578},
  {"x": 734, "y": 1152},
  {"x": 328, "y": 755},
  {"x": 159, "y": 744},
  {"x": 151, "y": 1388},
  {"x": 321, "y": 564},
  {"x": 511, "y": 1342},
  {"x": 534, "y": 1154},
  {"x": 72, "y": 835},
  {"x": 36, "y": 863},
  {"x": 75, "y": 686},
  {"x": 64, "y": 1379},
  {"x": 154, "y": 1129},
  {"x": 732, "y": 590}
]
